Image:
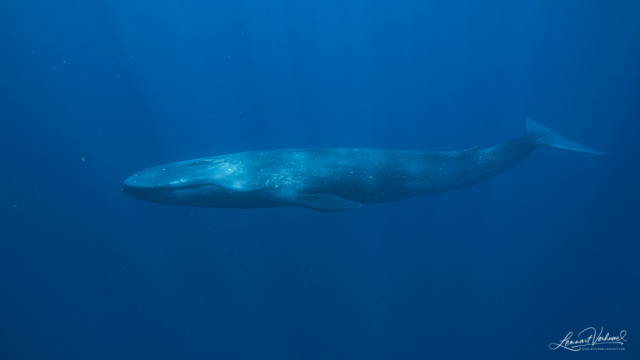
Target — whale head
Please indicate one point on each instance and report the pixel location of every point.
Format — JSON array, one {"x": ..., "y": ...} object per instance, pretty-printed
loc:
[{"x": 208, "y": 182}]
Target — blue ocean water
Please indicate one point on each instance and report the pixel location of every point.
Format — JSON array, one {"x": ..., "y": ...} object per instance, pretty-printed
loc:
[{"x": 93, "y": 91}]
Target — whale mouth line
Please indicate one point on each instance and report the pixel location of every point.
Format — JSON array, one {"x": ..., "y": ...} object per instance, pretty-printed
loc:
[
  {"x": 169, "y": 189},
  {"x": 194, "y": 187}
]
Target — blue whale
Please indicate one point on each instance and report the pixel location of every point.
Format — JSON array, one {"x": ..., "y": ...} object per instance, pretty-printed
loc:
[{"x": 332, "y": 179}]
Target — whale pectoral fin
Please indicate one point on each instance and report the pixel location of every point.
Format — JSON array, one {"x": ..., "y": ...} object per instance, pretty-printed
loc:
[{"x": 327, "y": 202}]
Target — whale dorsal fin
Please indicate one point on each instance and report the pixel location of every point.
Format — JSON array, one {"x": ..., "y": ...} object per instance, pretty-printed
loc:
[{"x": 327, "y": 202}]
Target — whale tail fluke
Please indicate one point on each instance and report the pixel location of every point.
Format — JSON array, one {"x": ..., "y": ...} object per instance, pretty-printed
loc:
[{"x": 549, "y": 138}]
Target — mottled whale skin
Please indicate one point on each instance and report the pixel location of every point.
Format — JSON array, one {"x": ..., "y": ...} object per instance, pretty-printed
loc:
[{"x": 331, "y": 179}]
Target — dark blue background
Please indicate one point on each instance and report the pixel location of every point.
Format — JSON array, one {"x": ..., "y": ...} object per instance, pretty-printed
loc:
[{"x": 93, "y": 91}]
